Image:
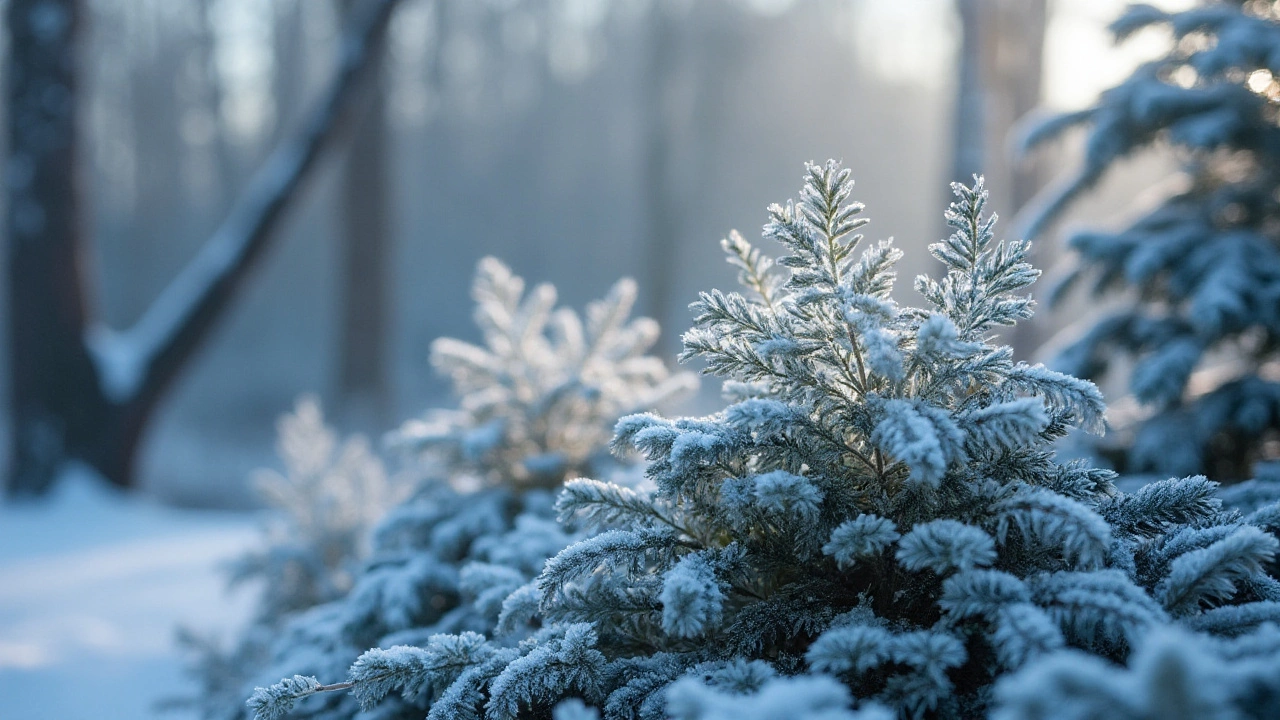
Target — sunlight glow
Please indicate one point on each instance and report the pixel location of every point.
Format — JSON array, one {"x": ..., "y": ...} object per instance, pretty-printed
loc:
[
  {"x": 906, "y": 42},
  {"x": 1081, "y": 60}
]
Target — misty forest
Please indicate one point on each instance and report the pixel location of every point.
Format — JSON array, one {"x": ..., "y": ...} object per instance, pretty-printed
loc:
[{"x": 640, "y": 360}]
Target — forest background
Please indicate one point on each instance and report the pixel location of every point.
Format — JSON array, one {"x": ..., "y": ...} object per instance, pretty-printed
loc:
[{"x": 579, "y": 141}]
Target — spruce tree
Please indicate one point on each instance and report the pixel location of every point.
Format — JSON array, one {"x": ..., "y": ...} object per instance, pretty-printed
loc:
[
  {"x": 876, "y": 517},
  {"x": 1197, "y": 277}
]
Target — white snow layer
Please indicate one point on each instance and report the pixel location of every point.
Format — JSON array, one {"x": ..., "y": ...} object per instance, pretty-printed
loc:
[{"x": 92, "y": 587}]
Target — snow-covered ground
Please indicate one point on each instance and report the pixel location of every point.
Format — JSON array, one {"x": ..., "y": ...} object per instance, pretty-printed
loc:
[{"x": 92, "y": 587}]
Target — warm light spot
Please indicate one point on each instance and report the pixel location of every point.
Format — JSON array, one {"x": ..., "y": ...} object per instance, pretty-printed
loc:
[
  {"x": 1259, "y": 80},
  {"x": 906, "y": 42},
  {"x": 1081, "y": 57},
  {"x": 1184, "y": 76}
]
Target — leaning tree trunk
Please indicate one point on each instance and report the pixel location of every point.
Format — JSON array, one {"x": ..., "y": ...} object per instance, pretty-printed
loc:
[{"x": 81, "y": 391}]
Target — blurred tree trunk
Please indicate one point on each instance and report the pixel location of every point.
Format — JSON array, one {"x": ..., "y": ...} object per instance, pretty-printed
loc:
[
  {"x": 999, "y": 81},
  {"x": 81, "y": 391},
  {"x": 56, "y": 401},
  {"x": 1000, "y": 76},
  {"x": 364, "y": 393},
  {"x": 1018, "y": 65},
  {"x": 1015, "y": 64},
  {"x": 289, "y": 68},
  {"x": 661, "y": 206},
  {"x": 159, "y": 208},
  {"x": 969, "y": 138},
  {"x": 225, "y": 160}
]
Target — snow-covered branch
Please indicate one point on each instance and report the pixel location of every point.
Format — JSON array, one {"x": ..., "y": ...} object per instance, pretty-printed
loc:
[{"x": 146, "y": 357}]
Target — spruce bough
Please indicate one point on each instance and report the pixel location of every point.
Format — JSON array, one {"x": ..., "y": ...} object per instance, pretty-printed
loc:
[
  {"x": 537, "y": 401},
  {"x": 1197, "y": 275},
  {"x": 876, "y": 518}
]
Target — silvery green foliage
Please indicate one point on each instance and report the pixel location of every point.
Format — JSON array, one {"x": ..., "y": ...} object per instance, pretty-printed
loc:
[
  {"x": 539, "y": 400},
  {"x": 1200, "y": 271},
  {"x": 1173, "y": 675},
  {"x": 275, "y": 706},
  {"x": 439, "y": 561},
  {"x": 324, "y": 506},
  {"x": 879, "y": 504},
  {"x": 328, "y": 499},
  {"x": 1251, "y": 496},
  {"x": 445, "y": 561},
  {"x": 798, "y": 698}
]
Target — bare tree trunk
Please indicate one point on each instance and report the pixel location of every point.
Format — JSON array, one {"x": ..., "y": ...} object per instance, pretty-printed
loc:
[
  {"x": 999, "y": 81},
  {"x": 661, "y": 208},
  {"x": 82, "y": 391},
  {"x": 364, "y": 394},
  {"x": 1000, "y": 69},
  {"x": 55, "y": 397},
  {"x": 969, "y": 140},
  {"x": 225, "y": 160}
]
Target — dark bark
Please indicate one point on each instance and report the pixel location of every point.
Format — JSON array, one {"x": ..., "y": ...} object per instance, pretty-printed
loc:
[
  {"x": 81, "y": 391},
  {"x": 53, "y": 385}
]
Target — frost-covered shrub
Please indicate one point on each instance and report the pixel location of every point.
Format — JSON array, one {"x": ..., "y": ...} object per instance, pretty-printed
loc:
[
  {"x": 879, "y": 507},
  {"x": 1172, "y": 676},
  {"x": 536, "y": 403},
  {"x": 328, "y": 499},
  {"x": 539, "y": 400},
  {"x": 1198, "y": 275},
  {"x": 323, "y": 507},
  {"x": 443, "y": 563}
]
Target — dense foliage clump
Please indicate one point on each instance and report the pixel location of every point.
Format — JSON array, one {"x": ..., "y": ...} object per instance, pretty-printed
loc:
[
  {"x": 876, "y": 518},
  {"x": 324, "y": 506},
  {"x": 1197, "y": 277},
  {"x": 329, "y": 499},
  {"x": 537, "y": 403},
  {"x": 1173, "y": 675}
]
